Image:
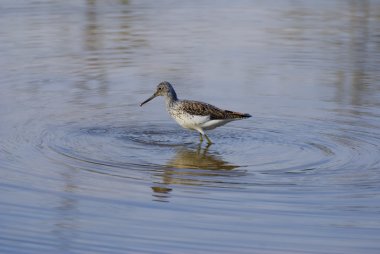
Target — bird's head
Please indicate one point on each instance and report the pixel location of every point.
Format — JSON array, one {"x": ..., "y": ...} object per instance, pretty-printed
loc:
[{"x": 163, "y": 89}]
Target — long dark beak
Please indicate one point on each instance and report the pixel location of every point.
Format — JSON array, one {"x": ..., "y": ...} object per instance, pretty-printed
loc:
[{"x": 149, "y": 99}]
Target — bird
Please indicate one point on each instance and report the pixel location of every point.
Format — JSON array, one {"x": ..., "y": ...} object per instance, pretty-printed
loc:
[{"x": 194, "y": 115}]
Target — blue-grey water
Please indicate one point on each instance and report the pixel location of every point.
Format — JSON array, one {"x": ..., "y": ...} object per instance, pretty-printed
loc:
[{"x": 84, "y": 169}]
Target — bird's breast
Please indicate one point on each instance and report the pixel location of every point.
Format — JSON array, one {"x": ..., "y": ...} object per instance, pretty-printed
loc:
[{"x": 187, "y": 120}]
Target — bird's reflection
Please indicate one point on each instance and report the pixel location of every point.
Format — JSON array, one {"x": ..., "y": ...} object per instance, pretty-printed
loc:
[
  {"x": 191, "y": 166},
  {"x": 198, "y": 158}
]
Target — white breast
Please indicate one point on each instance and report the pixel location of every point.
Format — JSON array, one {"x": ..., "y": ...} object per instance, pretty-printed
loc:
[
  {"x": 196, "y": 122},
  {"x": 190, "y": 121}
]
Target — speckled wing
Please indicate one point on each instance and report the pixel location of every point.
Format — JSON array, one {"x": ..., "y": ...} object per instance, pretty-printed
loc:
[{"x": 205, "y": 109}]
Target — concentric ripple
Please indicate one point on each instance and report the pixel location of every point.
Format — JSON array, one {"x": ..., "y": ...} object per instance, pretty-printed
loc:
[{"x": 267, "y": 148}]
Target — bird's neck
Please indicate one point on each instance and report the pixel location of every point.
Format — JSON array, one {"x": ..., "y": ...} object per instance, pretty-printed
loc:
[{"x": 171, "y": 98}]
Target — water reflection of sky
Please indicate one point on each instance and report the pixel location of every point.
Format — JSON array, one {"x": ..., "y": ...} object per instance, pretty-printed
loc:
[
  {"x": 303, "y": 172},
  {"x": 262, "y": 46}
]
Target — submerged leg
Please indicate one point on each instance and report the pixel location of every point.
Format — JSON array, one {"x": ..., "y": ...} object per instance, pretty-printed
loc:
[
  {"x": 201, "y": 133},
  {"x": 208, "y": 140}
]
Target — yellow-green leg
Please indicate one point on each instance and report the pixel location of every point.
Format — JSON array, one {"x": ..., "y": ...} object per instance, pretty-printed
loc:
[
  {"x": 200, "y": 137},
  {"x": 208, "y": 140}
]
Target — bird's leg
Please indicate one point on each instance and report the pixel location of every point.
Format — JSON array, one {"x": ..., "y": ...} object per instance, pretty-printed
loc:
[
  {"x": 206, "y": 149},
  {"x": 208, "y": 140},
  {"x": 199, "y": 148},
  {"x": 200, "y": 137}
]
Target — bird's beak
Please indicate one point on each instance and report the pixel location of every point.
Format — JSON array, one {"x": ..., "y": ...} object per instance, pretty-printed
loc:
[{"x": 149, "y": 99}]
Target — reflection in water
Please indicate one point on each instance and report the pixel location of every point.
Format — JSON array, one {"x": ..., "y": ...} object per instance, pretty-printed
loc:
[
  {"x": 307, "y": 70},
  {"x": 193, "y": 167},
  {"x": 354, "y": 73},
  {"x": 346, "y": 41},
  {"x": 103, "y": 49},
  {"x": 66, "y": 225},
  {"x": 198, "y": 159},
  {"x": 94, "y": 71}
]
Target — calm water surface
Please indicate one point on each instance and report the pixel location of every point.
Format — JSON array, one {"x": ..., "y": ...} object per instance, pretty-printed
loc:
[{"x": 84, "y": 169}]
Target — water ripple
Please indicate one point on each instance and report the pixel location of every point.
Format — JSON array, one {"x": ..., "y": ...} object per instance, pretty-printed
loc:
[{"x": 268, "y": 147}]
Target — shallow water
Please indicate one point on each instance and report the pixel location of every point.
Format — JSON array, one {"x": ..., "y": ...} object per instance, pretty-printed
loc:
[{"x": 84, "y": 169}]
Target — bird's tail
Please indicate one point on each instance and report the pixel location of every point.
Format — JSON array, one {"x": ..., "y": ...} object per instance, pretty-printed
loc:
[{"x": 237, "y": 115}]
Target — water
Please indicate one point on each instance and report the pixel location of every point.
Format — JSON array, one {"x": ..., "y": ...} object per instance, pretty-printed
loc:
[{"x": 84, "y": 169}]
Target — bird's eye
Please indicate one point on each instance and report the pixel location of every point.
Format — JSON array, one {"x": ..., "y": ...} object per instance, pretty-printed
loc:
[{"x": 160, "y": 88}]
